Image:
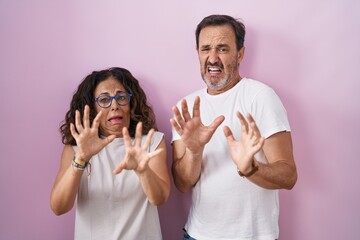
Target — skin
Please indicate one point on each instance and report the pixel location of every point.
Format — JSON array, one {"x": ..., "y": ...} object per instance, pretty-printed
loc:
[
  {"x": 151, "y": 168},
  {"x": 219, "y": 64}
]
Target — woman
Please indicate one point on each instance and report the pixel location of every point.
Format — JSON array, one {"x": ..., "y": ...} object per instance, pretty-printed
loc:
[{"x": 103, "y": 135}]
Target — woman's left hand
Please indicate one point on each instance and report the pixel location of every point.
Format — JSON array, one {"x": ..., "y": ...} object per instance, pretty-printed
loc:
[{"x": 137, "y": 156}]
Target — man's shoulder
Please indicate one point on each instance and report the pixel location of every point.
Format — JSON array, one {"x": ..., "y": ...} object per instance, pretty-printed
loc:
[
  {"x": 199, "y": 92},
  {"x": 249, "y": 82}
]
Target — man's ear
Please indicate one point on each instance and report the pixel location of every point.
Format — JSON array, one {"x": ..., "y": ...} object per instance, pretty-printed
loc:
[{"x": 241, "y": 54}]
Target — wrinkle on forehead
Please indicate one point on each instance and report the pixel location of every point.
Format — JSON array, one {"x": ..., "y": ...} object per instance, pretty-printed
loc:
[{"x": 214, "y": 36}]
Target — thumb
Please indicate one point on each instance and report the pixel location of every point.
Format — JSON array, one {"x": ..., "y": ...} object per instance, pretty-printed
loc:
[
  {"x": 119, "y": 168},
  {"x": 228, "y": 133}
]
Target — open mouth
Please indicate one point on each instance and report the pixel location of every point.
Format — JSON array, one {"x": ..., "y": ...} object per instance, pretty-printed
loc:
[
  {"x": 214, "y": 68},
  {"x": 116, "y": 119}
]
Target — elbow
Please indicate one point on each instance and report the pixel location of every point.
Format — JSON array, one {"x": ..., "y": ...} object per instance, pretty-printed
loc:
[
  {"x": 159, "y": 201},
  {"x": 57, "y": 211},
  {"x": 182, "y": 187},
  {"x": 160, "y": 198},
  {"x": 292, "y": 182}
]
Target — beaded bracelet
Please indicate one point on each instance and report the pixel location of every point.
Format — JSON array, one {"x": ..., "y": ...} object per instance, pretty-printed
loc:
[{"x": 87, "y": 166}]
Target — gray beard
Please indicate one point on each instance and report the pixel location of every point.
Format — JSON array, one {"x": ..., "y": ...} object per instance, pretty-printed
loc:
[{"x": 218, "y": 85}]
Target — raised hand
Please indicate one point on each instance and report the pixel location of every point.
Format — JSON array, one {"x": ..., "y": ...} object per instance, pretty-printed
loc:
[
  {"x": 192, "y": 131},
  {"x": 137, "y": 155},
  {"x": 87, "y": 137},
  {"x": 250, "y": 142}
]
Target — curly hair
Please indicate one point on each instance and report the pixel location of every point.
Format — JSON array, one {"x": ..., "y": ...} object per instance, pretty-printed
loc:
[
  {"x": 220, "y": 20},
  {"x": 140, "y": 109}
]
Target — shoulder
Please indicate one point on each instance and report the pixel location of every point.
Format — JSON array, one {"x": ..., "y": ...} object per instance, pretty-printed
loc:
[
  {"x": 190, "y": 97},
  {"x": 156, "y": 140},
  {"x": 255, "y": 85}
]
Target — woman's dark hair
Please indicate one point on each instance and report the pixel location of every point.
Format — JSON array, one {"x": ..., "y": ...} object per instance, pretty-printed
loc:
[
  {"x": 219, "y": 20},
  {"x": 140, "y": 110}
]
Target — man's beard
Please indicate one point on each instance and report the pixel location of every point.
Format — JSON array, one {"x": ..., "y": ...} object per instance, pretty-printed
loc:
[
  {"x": 218, "y": 85},
  {"x": 221, "y": 83}
]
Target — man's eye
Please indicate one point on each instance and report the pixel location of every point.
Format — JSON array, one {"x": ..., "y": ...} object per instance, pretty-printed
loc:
[{"x": 222, "y": 49}]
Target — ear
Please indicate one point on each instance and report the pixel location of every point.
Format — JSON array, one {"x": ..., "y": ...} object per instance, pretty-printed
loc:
[{"x": 241, "y": 54}]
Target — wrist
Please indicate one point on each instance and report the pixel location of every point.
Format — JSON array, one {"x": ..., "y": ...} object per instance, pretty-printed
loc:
[
  {"x": 80, "y": 164},
  {"x": 254, "y": 169},
  {"x": 79, "y": 161}
]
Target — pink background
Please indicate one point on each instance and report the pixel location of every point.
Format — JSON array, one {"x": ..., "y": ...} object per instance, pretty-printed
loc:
[{"x": 308, "y": 51}]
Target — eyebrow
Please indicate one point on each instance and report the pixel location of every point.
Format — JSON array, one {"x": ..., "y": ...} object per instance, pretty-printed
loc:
[
  {"x": 217, "y": 46},
  {"x": 118, "y": 91}
]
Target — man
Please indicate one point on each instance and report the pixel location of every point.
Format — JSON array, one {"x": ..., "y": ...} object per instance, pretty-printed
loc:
[{"x": 254, "y": 142}]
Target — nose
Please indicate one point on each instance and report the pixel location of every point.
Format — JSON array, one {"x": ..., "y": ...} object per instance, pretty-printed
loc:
[
  {"x": 114, "y": 105},
  {"x": 213, "y": 56}
]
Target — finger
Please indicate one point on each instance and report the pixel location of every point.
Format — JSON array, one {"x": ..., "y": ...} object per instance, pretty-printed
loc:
[
  {"x": 196, "y": 108},
  {"x": 108, "y": 140},
  {"x": 176, "y": 126},
  {"x": 138, "y": 134},
  {"x": 185, "y": 110},
  {"x": 78, "y": 124},
  {"x": 73, "y": 131},
  {"x": 148, "y": 139},
  {"x": 253, "y": 126},
  {"x": 86, "y": 117},
  {"x": 154, "y": 153},
  {"x": 243, "y": 122},
  {"x": 254, "y": 131},
  {"x": 96, "y": 121},
  {"x": 126, "y": 137},
  {"x": 178, "y": 117},
  {"x": 216, "y": 123},
  {"x": 119, "y": 168},
  {"x": 228, "y": 134},
  {"x": 259, "y": 144}
]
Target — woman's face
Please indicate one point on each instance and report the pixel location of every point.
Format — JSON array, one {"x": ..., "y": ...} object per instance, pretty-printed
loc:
[{"x": 114, "y": 117}]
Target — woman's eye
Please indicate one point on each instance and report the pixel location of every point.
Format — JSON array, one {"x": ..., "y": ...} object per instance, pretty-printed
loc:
[
  {"x": 104, "y": 100},
  {"x": 120, "y": 98}
]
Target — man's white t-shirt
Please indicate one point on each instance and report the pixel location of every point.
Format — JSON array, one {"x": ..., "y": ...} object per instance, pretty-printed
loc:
[{"x": 225, "y": 205}]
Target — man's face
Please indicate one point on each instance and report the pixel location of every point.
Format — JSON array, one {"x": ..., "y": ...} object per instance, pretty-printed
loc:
[{"x": 219, "y": 58}]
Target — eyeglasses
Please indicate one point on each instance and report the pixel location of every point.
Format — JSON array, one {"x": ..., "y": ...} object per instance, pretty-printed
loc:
[{"x": 105, "y": 100}]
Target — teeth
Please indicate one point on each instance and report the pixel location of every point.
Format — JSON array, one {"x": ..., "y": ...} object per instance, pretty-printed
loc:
[{"x": 212, "y": 69}]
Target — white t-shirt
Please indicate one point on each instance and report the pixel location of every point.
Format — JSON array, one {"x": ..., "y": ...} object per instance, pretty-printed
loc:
[
  {"x": 115, "y": 206},
  {"x": 225, "y": 205}
]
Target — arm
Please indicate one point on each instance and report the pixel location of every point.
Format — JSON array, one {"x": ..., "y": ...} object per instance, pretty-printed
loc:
[
  {"x": 66, "y": 185},
  {"x": 186, "y": 166},
  {"x": 279, "y": 172},
  {"x": 151, "y": 168},
  {"x": 187, "y": 152},
  {"x": 67, "y": 182}
]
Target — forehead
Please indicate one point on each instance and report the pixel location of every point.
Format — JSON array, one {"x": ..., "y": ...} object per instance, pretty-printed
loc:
[
  {"x": 217, "y": 35},
  {"x": 110, "y": 86}
]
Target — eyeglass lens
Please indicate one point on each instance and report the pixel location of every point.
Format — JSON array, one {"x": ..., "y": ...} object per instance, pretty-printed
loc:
[{"x": 122, "y": 98}]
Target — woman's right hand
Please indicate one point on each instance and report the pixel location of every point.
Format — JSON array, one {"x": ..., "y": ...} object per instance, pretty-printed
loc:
[{"x": 87, "y": 137}]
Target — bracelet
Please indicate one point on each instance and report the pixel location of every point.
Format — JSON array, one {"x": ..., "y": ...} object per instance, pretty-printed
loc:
[
  {"x": 79, "y": 166},
  {"x": 253, "y": 170},
  {"x": 82, "y": 167}
]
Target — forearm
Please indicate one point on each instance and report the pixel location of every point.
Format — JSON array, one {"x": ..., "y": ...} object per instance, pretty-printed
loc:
[
  {"x": 186, "y": 170},
  {"x": 277, "y": 175},
  {"x": 65, "y": 190},
  {"x": 156, "y": 188}
]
